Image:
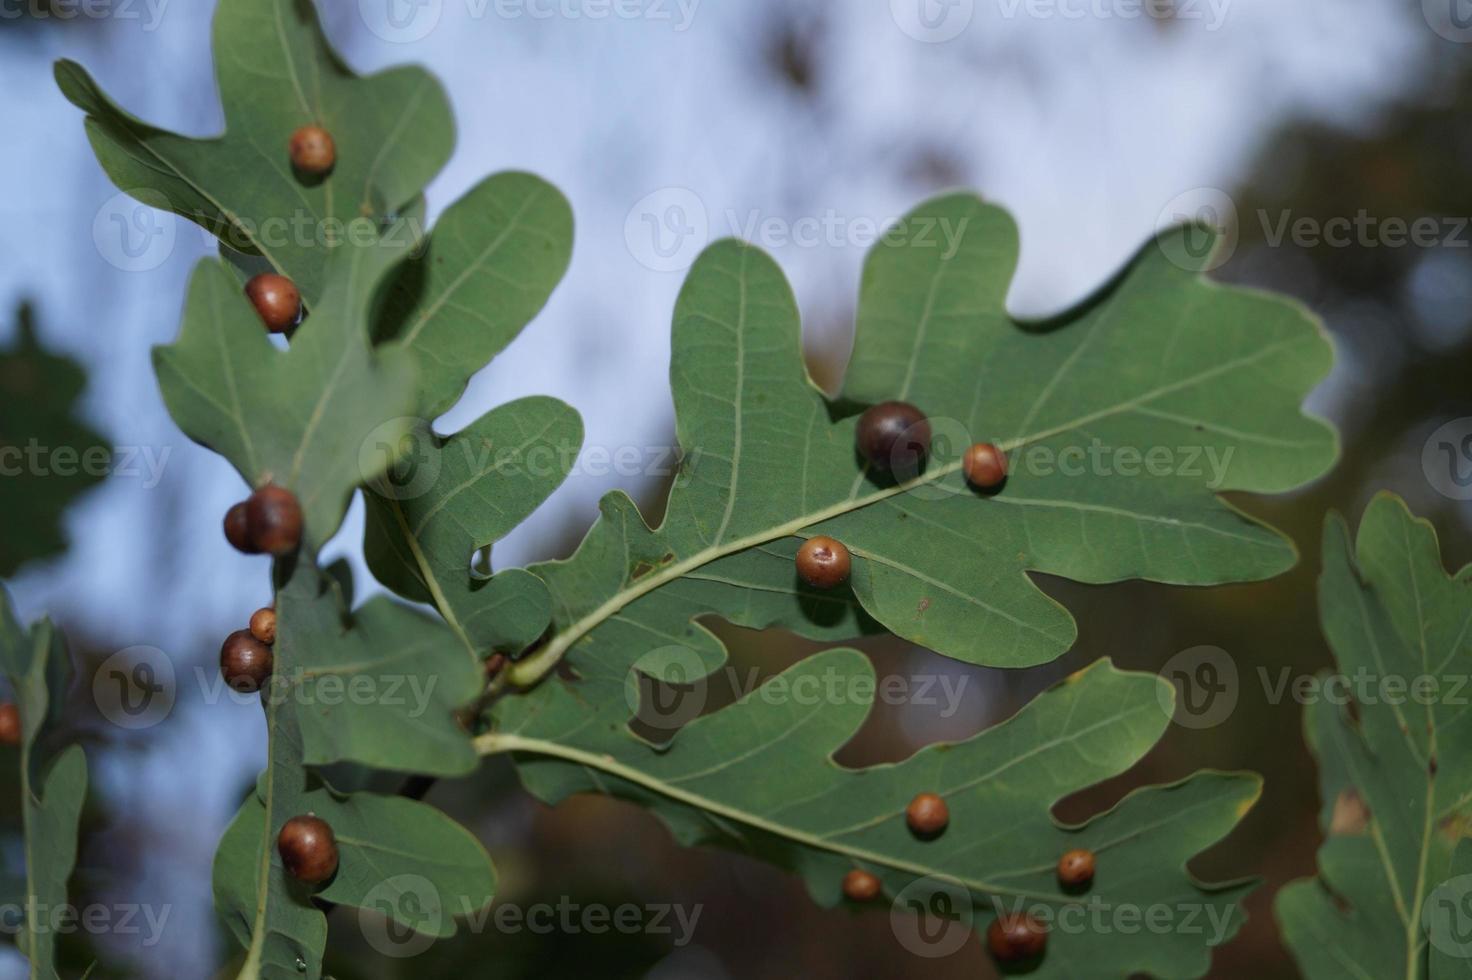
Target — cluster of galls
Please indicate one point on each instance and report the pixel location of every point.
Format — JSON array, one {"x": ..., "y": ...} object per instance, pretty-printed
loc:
[
  {"x": 270, "y": 522},
  {"x": 895, "y": 438},
  {"x": 1018, "y": 936},
  {"x": 246, "y": 659},
  {"x": 1013, "y": 937}
]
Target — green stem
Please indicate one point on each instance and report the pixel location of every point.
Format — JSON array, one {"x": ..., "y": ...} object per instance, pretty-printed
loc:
[
  {"x": 28, "y": 807},
  {"x": 251, "y": 968},
  {"x": 431, "y": 582},
  {"x": 528, "y": 671}
]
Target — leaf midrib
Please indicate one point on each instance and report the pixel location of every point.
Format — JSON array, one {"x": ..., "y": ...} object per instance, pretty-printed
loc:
[
  {"x": 498, "y": 743},
  {"x": 532, "y": 669}
]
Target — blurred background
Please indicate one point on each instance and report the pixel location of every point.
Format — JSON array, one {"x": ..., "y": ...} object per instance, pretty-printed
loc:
[{"x": 1309, "y": 129}]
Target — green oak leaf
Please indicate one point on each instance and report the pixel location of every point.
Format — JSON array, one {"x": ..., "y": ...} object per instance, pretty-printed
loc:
[
  {"x": 491, "y": 263},
  {"x": 1160, "y": 360},
  {"x": 47, "y": 456},
  {"x": 276, "y": 72},
  {"x": 452, "y": 497},
  {"x": 378, "y": 687},
  {"x": 38, "y": 669},
  {"x": 759, "y": 777},
  {"x": 1393, "y": 876},
  {"x": 397, "y": 857},
  {"x": 311, "y": 417}
]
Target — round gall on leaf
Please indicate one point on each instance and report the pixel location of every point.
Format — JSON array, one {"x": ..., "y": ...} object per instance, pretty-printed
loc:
[
  {"x": 313, "y": 151},
  {"x": 1016, "y": 936},
  {"x": 276, "y": 299},
  {"x": 894, "y": 437},
  {"x": 308, "y": 849},
  {"x": 823, "y": 562},
  {"x": 860, "y": 886},
  {"x": 985, "y": 466},
  {"x": 927, "y": 815},
  {"x": 275, "y": 520},
  {"x": 245, "y": 662}
]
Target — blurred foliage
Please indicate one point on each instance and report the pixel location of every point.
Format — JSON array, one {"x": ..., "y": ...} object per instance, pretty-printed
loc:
[{"x": 47, "y": 456}]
